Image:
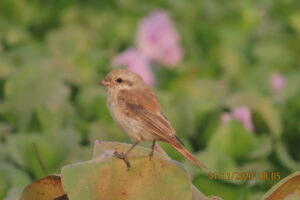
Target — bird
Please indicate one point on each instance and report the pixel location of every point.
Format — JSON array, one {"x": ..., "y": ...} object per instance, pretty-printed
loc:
[{"x": 135, "y": 108}]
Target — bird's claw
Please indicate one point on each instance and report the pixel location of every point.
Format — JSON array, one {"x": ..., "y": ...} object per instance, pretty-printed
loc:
[
  {"x": 123, "y": 156},
  {"x": 151, "y": 155}
]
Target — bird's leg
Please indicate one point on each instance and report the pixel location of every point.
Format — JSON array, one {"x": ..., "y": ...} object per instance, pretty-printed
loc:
[
  {"x": 124, "y": 156},
  {"x": 129, "y": 150},
  {"x": 152, "y": 150}
]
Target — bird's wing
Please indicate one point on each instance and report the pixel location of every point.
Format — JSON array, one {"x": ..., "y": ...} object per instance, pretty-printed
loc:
[{"x": 142, "y": 105}]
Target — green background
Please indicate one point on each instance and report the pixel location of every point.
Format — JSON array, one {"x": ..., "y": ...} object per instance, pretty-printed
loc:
[{"x": 54, "y": 53}]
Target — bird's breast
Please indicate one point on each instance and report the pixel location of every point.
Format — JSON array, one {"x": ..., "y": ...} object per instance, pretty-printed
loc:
[
  {"x": 128, "y": 124},
  {"x": 114, "y": 108},
  {"x": 133, "y": 127}
]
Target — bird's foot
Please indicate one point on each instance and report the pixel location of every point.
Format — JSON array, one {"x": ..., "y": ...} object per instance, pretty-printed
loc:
[
  {"x": 152, "y": 150},
  {"x": 123, "y": 156},
  {"x": 151, "y": 155}
]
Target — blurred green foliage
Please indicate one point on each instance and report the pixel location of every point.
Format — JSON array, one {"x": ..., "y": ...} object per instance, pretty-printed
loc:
[{"x": 53, "y": 53}]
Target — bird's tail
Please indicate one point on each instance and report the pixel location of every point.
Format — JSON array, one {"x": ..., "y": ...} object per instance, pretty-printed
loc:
[{"x": 189, "y": 156}]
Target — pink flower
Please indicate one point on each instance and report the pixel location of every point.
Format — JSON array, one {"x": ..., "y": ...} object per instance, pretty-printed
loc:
[
  {"x": 226, "y": 117},
  {"x": 277, "y": 82},
  {"x": 158, "y": 40},
  {"x": 136, "y": 62},
  {"x": 242, "y": 114}
]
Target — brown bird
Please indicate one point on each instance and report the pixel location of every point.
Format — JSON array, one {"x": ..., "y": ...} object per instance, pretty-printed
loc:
[{"x": 134, "y": 106}]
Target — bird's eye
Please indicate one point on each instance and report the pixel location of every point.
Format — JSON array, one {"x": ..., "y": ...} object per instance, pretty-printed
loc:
[{"x": 119, "y": 80}]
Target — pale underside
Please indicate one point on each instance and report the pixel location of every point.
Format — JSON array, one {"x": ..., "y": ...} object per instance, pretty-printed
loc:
[{"x": 138, "y": 113}]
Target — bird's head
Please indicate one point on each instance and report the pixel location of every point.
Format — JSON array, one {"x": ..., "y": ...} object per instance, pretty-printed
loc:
[{"x": 122, "y": 79}]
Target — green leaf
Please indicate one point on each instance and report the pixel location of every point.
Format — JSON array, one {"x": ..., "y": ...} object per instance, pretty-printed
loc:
[
  {"x": 107, "y": 177},
  {"x": 3, "y": 187},
  {"x": 11, "y": 177},
  {"x": 33, "y": 88},
  {"x": 233, "y": 139},
  {"x": 285, "y": 158},
  {"x": 91, "y": 102},
  {"x": 51, "y": 150},
  {"x": 262, "y": 105},
  {"x": 110, "y": 179},
  {"x": 220, "y": 188},
  {"x": 14, "y": 193},
  {"x": 102, "y": 130},
  {"x": 263, "y": 147},
  {"x": 217, "y": 161}
]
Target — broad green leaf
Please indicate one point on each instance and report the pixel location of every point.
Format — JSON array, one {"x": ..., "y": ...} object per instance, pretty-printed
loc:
[
  {"x": 5, "y": 68},
  {"x": 14, "y": 193},
  {"x": 262, "y": 105},
  {"x": 103, "y": 130},
  {"x": 32, "y": 88},
  {"x": 73, "y": 45},
  {"x": 284, "y": 157},
  {"x": 11, "y": 177},
  {"x": 110, "y": 179},
  {"x": 197, "y": 195},
  {"x": 217, "y": 161},
  {"x": 3, "y": 152},
  {"x": 279, "y": 53},
  {"x": 92, "y": 103},
  {"x": 3, "y": 187},
  {"x": 28, "y": 150},
  {"x": 233, "y": 139},
  {"x": 295, "y": 21},
  {"x": 69, "y": 41},
  {"x": 263, "y": 147},
  {"x": 220, "y": 188},
  {"x": 101, "y": 147}
]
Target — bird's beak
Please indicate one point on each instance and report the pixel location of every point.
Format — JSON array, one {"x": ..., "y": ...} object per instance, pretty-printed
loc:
[{"x": 104, "y": 83}]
